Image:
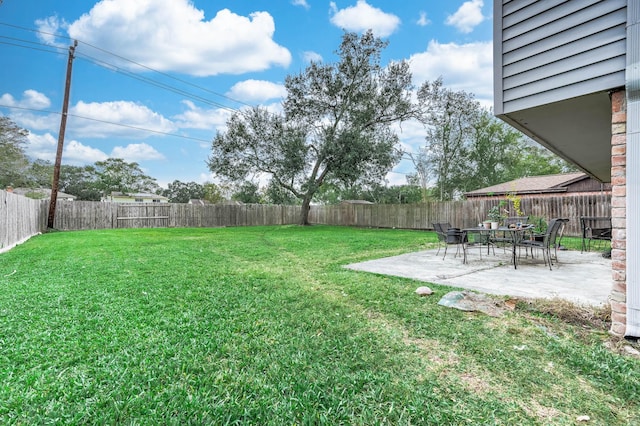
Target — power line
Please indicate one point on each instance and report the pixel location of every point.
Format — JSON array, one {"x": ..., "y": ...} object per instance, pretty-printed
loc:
[
  {"x": 117, "y": 69},
  {"x": 127, "y": 60},
  {"x": 108, "y": 122}
]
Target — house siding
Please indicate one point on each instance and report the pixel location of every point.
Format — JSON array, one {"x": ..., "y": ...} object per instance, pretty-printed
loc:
[
  {"x": 631, "y": 225},
  {"x": 553, "y": 50}
]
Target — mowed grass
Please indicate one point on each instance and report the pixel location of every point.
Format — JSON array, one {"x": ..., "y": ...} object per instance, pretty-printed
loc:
[{"x": 264, "y": 326}]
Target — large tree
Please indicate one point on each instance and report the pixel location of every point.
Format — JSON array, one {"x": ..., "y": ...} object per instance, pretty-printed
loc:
[
  {"x": 81, "y": 181},
  {"x": 468, "y": 148},
  {"x": 335, "y": 127},
  {"x": 181, "y": 192},
  {"x": 115, "y": 174},
  {"x": 449, "y": 117},
  {"x": 14, "y": 163}
]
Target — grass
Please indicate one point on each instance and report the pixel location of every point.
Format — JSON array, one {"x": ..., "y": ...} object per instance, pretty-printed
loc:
[{"x": 264, "y": 326}]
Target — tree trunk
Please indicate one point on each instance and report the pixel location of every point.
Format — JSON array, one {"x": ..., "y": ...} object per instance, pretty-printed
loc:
[{"x": 304, "y": 211}]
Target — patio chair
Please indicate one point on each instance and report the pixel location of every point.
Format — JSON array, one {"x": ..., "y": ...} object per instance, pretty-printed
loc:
[
  {"x": 448, "y": 235},
  {"x": 549, "y": 241},
  {"x": 596, "y": 229}
]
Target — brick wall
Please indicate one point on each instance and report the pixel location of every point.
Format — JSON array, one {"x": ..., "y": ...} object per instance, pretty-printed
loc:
[{"x": 618, "y": 297}]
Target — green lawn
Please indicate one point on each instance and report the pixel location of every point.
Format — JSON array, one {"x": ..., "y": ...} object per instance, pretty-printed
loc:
[{"x": 263, "y": 326}]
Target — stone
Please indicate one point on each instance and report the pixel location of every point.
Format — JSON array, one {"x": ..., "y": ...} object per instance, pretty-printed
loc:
[{"x": 424, "y": 291}]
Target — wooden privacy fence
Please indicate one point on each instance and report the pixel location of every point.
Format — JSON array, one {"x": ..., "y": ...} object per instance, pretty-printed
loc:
[
  {"x": 20, "y": 218},
  {"x": 79, "y": 215},
  {"x": 462, "y": 214}
]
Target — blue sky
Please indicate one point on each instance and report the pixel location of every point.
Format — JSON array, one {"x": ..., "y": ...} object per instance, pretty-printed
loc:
[{"x": 179, "y": 68}]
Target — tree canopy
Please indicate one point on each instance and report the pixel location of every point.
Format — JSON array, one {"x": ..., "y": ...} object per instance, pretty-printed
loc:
[
  {"x": 15, "y": 162},
  {"x": 467, "y": 148},
  {"x": 115, "y": 174},
  {"x": 335, "y": 126}
]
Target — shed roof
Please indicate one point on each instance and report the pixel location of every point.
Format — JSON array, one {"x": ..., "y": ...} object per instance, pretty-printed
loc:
[{"x": 532, "y": 184}]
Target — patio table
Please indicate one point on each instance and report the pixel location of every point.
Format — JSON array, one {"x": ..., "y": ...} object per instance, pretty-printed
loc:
[{"x": 515, "y": 235}]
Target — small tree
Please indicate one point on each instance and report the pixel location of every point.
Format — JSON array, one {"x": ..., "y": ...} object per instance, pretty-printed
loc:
[{"x": 336, "y": 125}]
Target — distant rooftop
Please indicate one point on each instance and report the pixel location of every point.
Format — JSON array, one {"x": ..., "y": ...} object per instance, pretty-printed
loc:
[{"x": 532, "y": 184}]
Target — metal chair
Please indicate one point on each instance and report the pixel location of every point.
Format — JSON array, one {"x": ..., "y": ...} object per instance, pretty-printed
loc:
[
  {"x": 594, "y": 229},
  {"x": 448, "y": 235},
  {"x": 549, "y": 241}
]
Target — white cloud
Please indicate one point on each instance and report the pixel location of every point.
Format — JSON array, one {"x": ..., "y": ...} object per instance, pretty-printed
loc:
[
  {"x": 129, "y": 115},
  {"x": 172, "y": 35},
  {"x": 423, "y": 21},
  {"x": 362, "y": 17},
  {"x": 30, "y": 99},
  {"x": 41, "y": 146},
  {"x": 199, "y": 118},
  {"x": 78, "y": 153},
  {"x": 136, "y": 152},
  {"x": 310, "y": 56},
  {"x": 302, "y": 3},
  {"x": 48, "y": 28},
  {"x": 466, "y": 67},
  {"x": 467, "y": 17},
  {"x": 256, "y": 91}
]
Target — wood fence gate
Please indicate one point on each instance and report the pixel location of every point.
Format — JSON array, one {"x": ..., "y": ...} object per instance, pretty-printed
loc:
[{"x": 143, "y": 215}]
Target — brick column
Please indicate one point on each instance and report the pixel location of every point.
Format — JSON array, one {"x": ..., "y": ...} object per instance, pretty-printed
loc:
[{"x": 618, "y": 297}]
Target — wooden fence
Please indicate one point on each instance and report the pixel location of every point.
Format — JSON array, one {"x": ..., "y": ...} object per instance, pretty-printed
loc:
[
  {"x": 22, "y": 217},
  {"x": 460, "y": 213},
  {"x": 80, "y": 215}
]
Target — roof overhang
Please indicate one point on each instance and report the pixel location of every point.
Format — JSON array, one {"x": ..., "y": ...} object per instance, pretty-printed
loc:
[{"x": 577, "y": 130}]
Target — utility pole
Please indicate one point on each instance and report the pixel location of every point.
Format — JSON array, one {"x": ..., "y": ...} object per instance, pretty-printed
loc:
[{"x": 63, "y": 126}]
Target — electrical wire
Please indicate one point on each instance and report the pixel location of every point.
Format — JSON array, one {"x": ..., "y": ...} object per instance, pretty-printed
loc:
[
  {"x": 126, "y": 60},
  {"x": 107, "y": 122}
]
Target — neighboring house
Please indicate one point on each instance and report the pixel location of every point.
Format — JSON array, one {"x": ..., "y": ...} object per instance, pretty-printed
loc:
[
  {"x": 544, "y": 186},
  {"x": 567, "y": 73},
  {"x": 198, "y": 202},
  {"x": 41, "y": 193},
  {"x": 121, "y": 197}
]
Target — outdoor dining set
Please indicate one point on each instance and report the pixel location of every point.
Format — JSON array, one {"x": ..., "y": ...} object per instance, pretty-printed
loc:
[{"x": 518, "y": 236}]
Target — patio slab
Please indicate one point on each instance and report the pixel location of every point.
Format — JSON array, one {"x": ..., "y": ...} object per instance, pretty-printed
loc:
[{"x": 581, "y": 278}]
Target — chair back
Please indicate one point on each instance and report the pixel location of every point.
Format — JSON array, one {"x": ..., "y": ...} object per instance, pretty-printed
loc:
[
  {"x": 553, "y": 230},
  {"x": 442, "y": 235}
]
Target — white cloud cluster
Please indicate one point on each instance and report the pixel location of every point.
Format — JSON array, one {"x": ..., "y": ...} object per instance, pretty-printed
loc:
[
  {"x": 256, "y": 91},
  {"x": 423, "y": 21},
  {"x": 466, "y": 67},
  {"x": 467, "y": 17},
  {"x": 76, "y": 153},
  {"x": 302, "y": 3},
  {"x": 136, "y": 152},
  {"x": 362, "y": 17},
  {"x": 200, "y": 118},
  {"x": 30, "y": 99},
  {"x": 310, "y": 56},
  {"x": 130, "y": 116},
  {"x": 172, "y": 35}
]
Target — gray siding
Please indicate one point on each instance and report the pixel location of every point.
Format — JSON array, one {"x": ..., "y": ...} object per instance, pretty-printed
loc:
[{"x": 552, "y": 50}]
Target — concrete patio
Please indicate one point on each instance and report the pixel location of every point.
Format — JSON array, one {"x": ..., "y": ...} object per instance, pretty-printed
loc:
[{"x": 582, "y": 278}]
